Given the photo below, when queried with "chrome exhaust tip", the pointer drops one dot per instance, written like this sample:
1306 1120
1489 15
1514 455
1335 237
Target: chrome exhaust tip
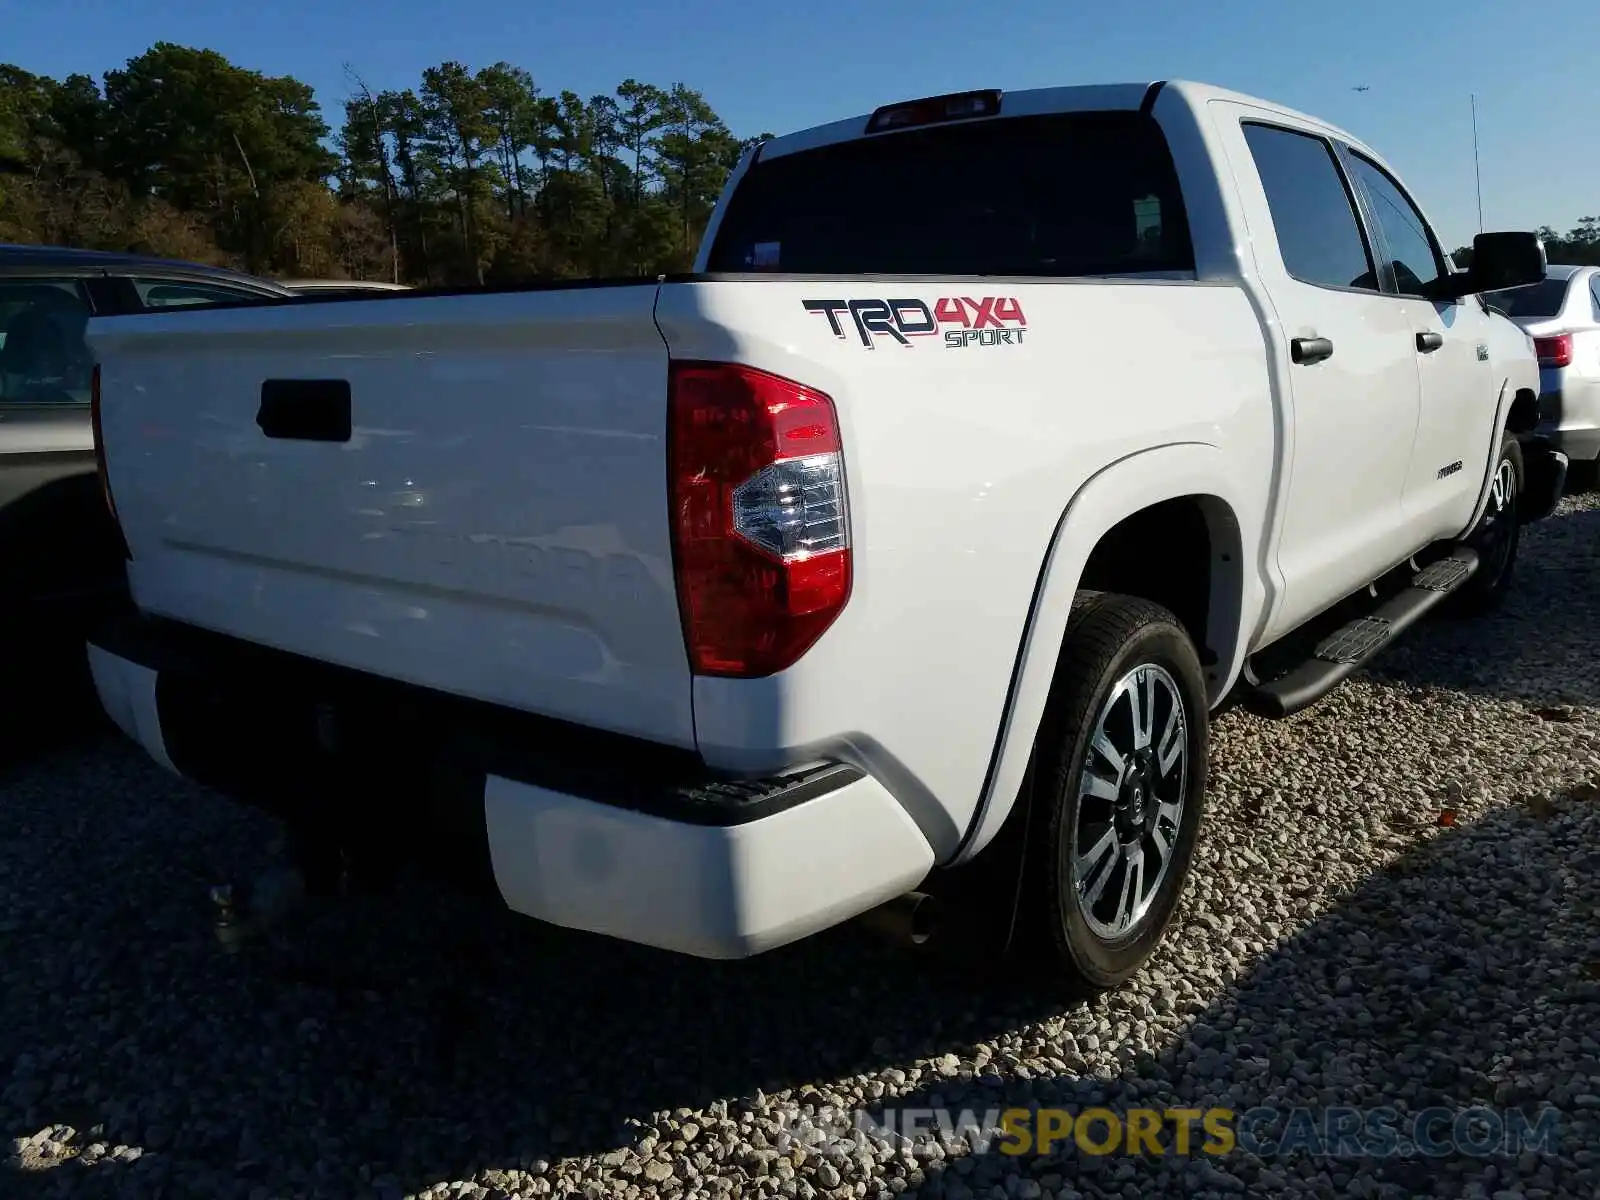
909 919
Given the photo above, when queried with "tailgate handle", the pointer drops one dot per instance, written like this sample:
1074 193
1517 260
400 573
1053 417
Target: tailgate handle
306 410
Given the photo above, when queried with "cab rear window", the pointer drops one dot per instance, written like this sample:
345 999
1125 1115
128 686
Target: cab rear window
1055 195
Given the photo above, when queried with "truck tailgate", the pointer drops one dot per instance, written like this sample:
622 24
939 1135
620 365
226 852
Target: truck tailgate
491 522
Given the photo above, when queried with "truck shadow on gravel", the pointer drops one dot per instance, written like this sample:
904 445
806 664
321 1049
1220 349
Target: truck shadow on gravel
424 1038
387 1051
47 704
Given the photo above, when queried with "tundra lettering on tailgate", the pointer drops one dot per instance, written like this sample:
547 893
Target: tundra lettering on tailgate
984 321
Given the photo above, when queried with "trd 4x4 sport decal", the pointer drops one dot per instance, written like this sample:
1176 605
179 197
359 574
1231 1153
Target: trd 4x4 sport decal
987 321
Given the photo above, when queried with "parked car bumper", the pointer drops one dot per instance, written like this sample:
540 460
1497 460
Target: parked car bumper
1569 419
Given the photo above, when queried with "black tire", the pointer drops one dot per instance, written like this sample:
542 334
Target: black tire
1496 537
1107 638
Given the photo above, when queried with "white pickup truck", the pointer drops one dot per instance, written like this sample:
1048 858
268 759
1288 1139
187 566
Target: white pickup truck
901 550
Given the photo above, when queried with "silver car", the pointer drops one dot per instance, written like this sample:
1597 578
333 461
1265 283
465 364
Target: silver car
1562 315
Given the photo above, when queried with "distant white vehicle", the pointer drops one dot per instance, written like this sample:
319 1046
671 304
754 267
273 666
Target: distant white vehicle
341 287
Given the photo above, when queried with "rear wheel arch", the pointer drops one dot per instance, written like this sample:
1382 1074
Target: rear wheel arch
1524 414
1178 493
1184 554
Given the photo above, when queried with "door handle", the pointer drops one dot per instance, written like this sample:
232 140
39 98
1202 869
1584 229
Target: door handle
1430 341
1310 350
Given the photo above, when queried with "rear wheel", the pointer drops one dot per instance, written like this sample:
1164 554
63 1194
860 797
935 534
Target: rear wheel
1120 772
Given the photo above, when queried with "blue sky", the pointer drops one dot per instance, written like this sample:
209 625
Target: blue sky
784 64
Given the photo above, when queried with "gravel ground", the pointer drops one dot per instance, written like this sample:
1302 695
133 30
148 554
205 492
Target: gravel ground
1395 904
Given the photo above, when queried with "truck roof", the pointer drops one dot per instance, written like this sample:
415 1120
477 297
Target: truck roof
1098 97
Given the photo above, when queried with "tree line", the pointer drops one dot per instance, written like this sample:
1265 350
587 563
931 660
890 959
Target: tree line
469 177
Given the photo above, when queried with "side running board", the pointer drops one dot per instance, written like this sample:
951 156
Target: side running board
1347 649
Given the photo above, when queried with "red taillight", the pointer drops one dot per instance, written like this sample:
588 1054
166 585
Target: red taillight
760 528
1554 351
100 458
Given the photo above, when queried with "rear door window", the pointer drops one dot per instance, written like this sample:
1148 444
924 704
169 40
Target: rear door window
1056 195
1313 212
44 358
174 293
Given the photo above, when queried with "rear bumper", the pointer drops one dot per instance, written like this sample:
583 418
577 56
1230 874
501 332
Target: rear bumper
1571 423
585 831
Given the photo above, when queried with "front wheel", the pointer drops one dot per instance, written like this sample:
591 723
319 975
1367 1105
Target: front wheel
1496 536
1120 768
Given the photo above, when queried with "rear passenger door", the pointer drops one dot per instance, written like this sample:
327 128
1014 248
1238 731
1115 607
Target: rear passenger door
1460 396
1348 367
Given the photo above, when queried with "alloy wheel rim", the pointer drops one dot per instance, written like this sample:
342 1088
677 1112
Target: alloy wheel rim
1499 525
1131 796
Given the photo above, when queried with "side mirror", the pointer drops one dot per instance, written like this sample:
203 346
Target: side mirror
1507 260
1499 261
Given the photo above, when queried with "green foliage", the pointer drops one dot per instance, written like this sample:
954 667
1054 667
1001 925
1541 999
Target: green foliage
470 177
